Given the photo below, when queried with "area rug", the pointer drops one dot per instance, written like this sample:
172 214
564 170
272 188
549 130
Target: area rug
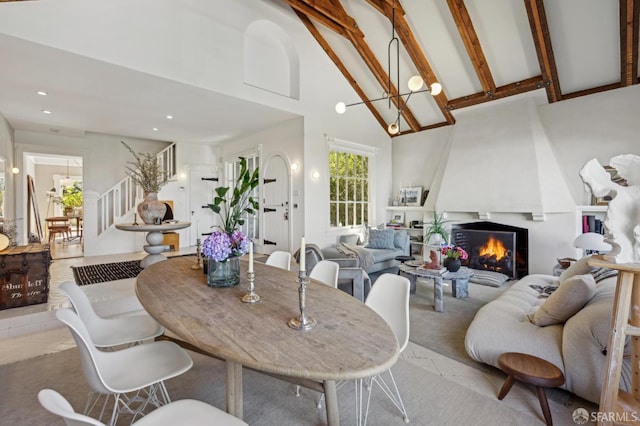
92 274
429 398
444 332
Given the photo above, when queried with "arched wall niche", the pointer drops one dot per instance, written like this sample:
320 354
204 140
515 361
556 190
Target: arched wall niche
270 60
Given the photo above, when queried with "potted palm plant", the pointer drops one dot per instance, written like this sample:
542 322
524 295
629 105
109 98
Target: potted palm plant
71 198
435 231
435 236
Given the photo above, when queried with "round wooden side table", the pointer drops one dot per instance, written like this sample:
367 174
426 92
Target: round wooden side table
533 370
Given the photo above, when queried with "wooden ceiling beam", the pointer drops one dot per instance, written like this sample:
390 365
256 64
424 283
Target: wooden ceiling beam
591 91
336 18
429 127
343 69
405 34
533 83
544 50
472 44
629 25
357 39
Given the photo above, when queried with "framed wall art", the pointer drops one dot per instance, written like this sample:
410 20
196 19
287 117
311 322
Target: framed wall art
397 218
410 196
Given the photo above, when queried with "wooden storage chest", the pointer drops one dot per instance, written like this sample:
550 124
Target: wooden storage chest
24 275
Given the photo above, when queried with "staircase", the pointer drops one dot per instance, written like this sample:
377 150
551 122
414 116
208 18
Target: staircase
103 211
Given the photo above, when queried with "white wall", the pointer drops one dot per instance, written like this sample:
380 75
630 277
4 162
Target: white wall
205 49
284 140
6 152
596 126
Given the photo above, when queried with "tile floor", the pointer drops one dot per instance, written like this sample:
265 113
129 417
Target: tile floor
31 331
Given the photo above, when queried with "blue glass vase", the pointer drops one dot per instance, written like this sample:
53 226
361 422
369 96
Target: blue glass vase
225 273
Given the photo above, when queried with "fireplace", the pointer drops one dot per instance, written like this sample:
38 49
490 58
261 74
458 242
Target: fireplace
494 247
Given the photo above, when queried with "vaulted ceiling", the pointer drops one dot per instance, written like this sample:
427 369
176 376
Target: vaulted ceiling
478 51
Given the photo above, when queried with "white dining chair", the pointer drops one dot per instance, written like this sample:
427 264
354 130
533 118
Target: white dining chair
188 412
280 259
123 329
389 298
140 369
326 272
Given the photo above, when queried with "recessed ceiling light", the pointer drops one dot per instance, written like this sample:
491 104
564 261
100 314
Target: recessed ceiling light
169 117
46 111
42 93
155 129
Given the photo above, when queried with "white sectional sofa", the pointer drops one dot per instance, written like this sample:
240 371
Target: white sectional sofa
576 345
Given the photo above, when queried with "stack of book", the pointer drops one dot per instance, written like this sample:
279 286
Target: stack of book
591 224
395 225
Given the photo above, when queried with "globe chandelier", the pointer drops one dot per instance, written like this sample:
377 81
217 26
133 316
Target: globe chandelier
415 83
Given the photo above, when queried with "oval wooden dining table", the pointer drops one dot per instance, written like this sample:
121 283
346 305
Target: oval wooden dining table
350 340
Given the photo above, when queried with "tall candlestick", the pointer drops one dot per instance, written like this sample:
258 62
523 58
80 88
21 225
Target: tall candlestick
198 228
250 256
302 255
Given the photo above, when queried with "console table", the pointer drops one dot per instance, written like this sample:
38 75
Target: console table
154 238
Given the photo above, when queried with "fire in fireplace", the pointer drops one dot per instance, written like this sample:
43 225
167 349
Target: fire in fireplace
494 247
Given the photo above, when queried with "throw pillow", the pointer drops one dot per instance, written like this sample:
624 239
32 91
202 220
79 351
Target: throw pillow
490 278
380 239
577 268
350 239
600 274
399 238
566 301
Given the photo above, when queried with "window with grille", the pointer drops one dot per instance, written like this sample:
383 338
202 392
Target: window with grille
348 188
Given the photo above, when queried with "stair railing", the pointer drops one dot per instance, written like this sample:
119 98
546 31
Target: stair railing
125 195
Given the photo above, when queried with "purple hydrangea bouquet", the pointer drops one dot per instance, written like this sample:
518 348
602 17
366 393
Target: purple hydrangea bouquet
220 245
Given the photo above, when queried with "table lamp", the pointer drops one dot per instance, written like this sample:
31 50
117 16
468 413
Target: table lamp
591 242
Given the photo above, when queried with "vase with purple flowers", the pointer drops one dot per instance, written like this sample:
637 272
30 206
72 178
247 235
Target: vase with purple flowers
222 249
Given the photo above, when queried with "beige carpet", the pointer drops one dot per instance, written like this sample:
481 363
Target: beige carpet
430 399
444 332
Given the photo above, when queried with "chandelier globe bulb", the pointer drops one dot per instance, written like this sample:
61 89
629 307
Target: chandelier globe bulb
436 89
415 83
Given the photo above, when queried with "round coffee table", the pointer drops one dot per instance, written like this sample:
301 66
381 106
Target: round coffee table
533 370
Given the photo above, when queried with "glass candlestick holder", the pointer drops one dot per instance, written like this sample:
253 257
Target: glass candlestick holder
251 296
302 322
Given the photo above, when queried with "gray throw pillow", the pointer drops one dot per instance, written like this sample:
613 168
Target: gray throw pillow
566 301
380 239
350 238
399 238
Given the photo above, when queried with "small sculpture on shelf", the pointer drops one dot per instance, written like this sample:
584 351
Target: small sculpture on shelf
434 261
